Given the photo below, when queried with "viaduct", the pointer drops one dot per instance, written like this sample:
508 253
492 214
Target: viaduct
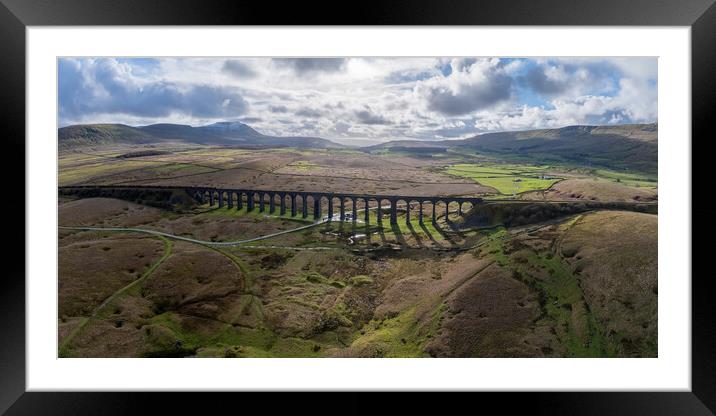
290 200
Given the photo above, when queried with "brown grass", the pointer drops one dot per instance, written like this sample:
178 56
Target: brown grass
413 282
202 288
450 304
195 281
311 293
91 270
595 190
615 254
105 339
105 212
491 315
271 169
223 225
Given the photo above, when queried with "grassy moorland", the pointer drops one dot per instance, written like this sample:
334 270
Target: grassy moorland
344 289
578 284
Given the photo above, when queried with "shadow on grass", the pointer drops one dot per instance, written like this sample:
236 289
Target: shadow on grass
430 235
398 234
455 228
383 240
368 233
447 237
418 239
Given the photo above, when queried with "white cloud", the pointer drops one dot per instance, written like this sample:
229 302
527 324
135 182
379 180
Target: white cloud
470 86
382 98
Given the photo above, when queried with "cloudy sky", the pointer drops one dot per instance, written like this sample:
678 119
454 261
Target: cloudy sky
363 98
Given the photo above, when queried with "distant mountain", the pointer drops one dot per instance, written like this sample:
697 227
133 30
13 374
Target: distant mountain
633 146
233 128
222 133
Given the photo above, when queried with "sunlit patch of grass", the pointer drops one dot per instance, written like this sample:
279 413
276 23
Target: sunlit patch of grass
225 211
394 337
302 152
303 165
404 335
516 184
181 168
217 152
68 175
230 341
71 159
506 179
380 232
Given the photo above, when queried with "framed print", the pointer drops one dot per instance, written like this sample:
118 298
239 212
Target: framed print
492 198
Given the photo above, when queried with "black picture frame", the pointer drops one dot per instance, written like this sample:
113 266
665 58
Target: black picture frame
700 15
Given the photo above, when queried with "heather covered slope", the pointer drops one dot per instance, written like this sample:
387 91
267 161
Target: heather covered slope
584 285
101 134
632 146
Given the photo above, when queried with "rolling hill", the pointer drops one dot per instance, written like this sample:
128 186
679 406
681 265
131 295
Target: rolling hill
222 133
631 146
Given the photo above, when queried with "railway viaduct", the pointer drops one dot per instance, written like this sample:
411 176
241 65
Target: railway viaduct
286 201
290 201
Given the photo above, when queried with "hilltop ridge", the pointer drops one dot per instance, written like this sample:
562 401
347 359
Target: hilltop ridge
221 133
633 146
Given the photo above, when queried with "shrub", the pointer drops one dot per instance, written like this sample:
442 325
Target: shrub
361 280
338 284
314 277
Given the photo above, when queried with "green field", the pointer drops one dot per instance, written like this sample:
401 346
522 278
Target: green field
303 165
629 179
506 179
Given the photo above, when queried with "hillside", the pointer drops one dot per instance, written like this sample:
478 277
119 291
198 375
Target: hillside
223 133
632 146
101 134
